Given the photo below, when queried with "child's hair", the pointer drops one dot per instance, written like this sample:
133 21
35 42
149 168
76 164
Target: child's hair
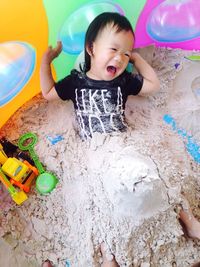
98 24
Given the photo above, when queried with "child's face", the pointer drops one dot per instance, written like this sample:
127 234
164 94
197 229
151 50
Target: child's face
110 53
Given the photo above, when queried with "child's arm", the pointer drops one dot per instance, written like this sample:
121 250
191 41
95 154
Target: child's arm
151 83
46 79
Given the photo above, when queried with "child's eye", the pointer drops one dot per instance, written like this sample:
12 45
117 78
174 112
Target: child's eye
113 49
126 54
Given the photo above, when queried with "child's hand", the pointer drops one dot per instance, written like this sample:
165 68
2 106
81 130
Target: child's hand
134 56
151 83
52 53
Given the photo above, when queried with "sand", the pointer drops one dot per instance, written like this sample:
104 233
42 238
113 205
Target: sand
124 189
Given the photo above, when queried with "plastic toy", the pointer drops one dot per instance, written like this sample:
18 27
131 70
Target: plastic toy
3 156
20 173
18 196
14 172
45 181
24 182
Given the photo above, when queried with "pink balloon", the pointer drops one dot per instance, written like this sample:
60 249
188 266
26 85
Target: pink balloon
143 38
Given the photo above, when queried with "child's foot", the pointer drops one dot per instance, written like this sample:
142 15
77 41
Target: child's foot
191 224
47 263
106 262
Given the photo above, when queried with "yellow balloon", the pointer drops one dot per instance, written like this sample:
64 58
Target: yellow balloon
23 21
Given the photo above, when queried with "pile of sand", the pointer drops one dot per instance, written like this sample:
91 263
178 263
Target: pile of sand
122 189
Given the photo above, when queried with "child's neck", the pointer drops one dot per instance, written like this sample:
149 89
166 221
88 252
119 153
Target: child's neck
91 75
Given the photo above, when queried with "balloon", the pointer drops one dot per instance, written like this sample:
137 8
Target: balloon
174 21
17 63
72 33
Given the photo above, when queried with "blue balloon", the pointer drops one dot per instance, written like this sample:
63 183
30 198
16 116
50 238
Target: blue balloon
72 33
17 64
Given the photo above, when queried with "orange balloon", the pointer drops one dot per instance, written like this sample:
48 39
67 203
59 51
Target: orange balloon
24 21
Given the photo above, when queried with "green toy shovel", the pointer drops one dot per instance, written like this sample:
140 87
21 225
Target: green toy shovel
45 181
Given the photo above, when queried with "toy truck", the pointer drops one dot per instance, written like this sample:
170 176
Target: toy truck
14 172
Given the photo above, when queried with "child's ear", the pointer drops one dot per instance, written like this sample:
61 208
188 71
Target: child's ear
89 49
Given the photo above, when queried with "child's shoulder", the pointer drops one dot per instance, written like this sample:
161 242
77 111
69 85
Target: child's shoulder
77 74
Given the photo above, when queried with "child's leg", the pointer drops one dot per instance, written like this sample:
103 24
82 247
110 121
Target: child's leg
192 225
106 262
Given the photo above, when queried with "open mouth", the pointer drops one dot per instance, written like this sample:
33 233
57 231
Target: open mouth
112 70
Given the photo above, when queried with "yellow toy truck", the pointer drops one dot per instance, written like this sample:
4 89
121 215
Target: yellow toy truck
18 173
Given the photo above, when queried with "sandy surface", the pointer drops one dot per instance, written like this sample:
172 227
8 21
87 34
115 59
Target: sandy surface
124 189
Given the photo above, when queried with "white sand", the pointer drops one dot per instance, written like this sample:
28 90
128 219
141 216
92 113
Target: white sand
123 189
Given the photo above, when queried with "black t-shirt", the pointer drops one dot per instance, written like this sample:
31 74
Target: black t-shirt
99 105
